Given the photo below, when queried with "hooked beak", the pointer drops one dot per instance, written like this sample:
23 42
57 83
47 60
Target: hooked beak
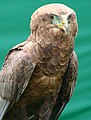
59 22
62 25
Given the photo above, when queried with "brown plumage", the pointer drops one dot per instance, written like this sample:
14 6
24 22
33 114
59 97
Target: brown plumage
39 75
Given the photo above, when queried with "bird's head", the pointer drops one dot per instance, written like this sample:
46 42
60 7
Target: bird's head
54 20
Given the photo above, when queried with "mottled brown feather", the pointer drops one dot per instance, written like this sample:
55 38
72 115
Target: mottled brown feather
38 67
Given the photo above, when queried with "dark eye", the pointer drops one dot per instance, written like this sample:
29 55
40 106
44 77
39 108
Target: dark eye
51 16
68 21
69 17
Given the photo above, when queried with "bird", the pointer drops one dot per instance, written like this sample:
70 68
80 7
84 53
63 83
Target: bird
39 75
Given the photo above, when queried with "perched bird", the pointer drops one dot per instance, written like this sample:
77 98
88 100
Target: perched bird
38 76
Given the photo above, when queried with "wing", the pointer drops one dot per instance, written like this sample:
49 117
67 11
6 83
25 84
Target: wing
14 77
67 88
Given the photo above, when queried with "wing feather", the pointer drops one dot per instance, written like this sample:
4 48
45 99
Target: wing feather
66 89
14 76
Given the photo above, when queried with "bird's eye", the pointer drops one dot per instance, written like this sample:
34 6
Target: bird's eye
68 21
52 17
69 18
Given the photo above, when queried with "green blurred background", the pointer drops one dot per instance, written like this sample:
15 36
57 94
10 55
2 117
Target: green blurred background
14 28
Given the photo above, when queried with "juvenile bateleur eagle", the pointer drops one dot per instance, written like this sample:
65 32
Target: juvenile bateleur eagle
38 76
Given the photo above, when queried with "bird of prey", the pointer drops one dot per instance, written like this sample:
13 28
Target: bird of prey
38 76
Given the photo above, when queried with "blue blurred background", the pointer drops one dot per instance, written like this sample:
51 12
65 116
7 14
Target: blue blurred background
14 28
